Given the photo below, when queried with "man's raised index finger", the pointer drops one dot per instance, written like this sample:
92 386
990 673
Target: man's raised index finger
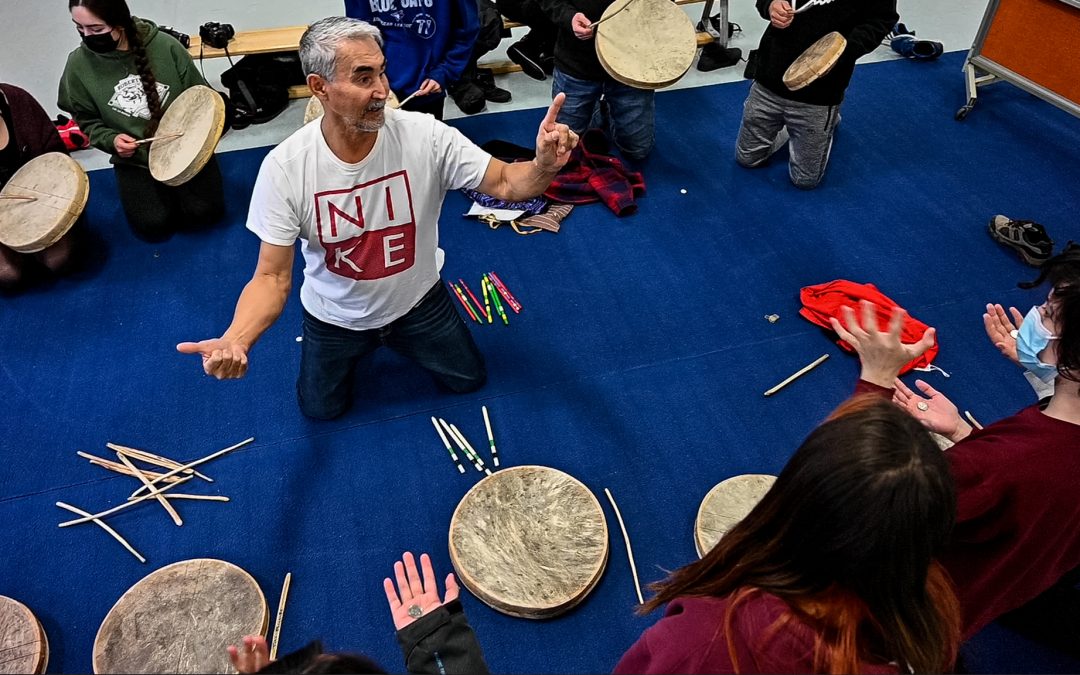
553 110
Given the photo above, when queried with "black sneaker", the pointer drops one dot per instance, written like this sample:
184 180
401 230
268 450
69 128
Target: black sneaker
524 52
1026 237
485 80
468 96
714 56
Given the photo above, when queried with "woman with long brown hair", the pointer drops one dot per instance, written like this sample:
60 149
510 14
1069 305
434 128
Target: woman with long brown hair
117 84
832 572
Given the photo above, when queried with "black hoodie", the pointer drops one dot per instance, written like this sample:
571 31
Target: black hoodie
863 22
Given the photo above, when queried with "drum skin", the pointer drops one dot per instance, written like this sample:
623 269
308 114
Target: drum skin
530 541
59 188
647 44
198 114
24 647
180 619
816 62
726 505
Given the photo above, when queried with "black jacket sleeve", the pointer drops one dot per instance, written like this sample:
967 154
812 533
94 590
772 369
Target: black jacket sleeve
763 8
866 36
442 643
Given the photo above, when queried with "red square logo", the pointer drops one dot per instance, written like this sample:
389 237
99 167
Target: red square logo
369 230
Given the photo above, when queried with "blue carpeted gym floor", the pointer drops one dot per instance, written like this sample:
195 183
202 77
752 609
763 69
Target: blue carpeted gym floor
638 364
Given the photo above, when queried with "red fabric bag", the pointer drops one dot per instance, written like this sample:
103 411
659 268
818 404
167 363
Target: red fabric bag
823 301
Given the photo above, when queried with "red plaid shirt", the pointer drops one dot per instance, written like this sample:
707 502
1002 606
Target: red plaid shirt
591 175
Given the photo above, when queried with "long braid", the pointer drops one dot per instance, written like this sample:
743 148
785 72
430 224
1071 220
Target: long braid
149 82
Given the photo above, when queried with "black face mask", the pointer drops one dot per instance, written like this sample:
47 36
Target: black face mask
101 43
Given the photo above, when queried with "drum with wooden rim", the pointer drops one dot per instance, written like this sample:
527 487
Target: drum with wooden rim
187 135
24 648
41 202
726 504
180 619
815 62
647 44
530 541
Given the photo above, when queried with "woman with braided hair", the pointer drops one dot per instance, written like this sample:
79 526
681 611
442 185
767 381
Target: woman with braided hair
116 85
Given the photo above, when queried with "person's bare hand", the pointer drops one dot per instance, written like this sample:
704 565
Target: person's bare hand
554 141
416 595
223 358
251 656
582 27
428 86
125 145
780 13
882 353
940 414
1002 331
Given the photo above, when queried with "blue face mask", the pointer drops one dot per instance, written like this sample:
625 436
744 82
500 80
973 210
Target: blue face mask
1031 340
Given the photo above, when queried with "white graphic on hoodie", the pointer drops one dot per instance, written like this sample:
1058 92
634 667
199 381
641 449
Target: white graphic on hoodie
130 99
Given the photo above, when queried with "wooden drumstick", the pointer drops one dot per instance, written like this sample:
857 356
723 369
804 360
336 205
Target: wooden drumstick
461 446
629 550
971 418
105 527
163 137
121 469
601 20
197 462
156 460
491 437
205 498
161 498
797 375
125 505
280 616
407 99
472 451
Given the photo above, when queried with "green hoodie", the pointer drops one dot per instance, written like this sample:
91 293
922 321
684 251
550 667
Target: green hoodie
104 94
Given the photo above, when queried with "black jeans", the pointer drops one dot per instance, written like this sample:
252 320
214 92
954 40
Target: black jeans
431 104
431 334
155 210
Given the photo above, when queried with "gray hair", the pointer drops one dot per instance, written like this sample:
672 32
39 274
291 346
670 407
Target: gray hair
320 42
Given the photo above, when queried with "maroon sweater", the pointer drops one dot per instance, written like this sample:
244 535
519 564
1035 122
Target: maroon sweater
1018 514
32 132
691 639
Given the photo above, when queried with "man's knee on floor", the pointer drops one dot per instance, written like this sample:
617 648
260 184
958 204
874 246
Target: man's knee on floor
806 182
204 212
322 412
468 383
152 226
749 160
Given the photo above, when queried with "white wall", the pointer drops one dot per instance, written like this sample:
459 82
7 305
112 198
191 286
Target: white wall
37 35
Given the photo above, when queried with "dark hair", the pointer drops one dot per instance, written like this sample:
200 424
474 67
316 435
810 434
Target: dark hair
847 537
311 660
1063 273
116 14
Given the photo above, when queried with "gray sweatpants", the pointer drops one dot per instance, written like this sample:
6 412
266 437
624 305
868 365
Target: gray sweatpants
770 120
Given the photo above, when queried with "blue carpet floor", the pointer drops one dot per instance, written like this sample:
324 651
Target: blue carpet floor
637 364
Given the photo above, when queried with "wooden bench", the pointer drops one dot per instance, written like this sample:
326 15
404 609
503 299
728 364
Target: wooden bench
287 39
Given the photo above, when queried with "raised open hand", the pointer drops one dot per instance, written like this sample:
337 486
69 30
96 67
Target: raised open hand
416 595
1002 331
251 656
881 352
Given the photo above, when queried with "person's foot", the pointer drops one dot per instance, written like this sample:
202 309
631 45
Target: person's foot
529 55
714 56
467 96
485 81
1026 237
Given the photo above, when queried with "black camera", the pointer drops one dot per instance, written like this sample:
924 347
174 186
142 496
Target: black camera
182 38
216 35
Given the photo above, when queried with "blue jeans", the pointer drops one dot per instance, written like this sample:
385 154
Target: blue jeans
632 112
431 334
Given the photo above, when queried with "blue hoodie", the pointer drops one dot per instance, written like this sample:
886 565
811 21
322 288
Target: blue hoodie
422 38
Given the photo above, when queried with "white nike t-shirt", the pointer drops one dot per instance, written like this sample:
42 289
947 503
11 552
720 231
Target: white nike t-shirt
368 231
